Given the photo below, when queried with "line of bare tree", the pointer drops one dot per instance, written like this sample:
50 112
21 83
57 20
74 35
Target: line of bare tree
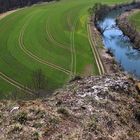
39 83
98 11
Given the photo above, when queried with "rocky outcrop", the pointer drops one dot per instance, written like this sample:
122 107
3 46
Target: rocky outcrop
92 108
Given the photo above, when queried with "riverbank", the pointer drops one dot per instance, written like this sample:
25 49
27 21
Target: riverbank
128 28
95 42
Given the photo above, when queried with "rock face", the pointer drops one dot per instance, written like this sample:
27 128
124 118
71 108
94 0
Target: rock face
93 108
138 86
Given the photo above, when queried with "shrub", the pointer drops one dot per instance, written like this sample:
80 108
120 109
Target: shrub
21 117
36 136
137 115
63 111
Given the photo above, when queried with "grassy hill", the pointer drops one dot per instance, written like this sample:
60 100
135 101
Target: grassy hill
50 36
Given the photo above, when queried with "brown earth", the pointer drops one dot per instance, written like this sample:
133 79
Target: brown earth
7 13
94 108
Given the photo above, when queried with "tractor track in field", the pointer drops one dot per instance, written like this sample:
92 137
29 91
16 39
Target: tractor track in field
30 54
73 45
53 40
12 81
95 52
73 51
15 83
98 55
72 59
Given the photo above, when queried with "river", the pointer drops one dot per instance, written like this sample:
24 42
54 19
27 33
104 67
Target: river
120 45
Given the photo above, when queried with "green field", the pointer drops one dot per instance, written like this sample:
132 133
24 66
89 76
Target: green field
51 36
135 19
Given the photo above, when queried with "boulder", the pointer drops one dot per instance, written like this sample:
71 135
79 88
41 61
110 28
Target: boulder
138 86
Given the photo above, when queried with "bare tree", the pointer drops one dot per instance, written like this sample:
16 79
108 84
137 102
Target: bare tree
39 81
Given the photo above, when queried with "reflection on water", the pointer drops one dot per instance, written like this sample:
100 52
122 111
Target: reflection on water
120 45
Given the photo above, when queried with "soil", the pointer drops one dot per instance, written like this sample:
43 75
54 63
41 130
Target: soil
88 70
7 13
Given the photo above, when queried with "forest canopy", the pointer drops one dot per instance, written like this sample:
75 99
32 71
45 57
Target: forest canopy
6 5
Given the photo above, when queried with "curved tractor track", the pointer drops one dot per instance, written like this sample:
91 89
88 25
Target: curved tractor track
72 55
15 83
73 50
31 55
53 40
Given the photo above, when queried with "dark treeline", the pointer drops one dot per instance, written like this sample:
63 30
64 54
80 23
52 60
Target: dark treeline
6 5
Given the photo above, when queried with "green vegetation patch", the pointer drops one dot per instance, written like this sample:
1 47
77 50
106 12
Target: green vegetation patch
135 20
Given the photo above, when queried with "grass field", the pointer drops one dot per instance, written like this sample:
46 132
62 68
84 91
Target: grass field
135 20
51 36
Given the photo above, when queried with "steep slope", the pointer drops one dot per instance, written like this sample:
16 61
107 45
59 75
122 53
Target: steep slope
103 107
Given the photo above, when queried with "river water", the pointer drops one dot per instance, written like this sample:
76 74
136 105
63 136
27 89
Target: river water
120 45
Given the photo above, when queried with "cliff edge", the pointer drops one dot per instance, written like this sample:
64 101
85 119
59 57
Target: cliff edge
92 108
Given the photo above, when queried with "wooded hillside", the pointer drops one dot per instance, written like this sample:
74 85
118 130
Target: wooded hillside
6 5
